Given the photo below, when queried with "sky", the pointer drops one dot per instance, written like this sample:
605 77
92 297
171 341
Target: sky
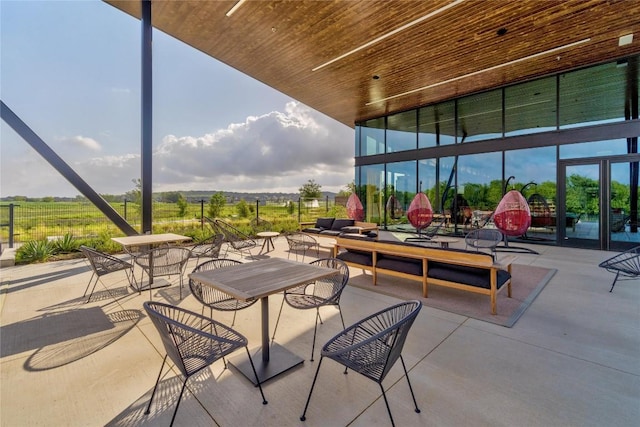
71 71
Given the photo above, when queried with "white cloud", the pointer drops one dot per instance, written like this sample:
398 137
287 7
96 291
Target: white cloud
85 142
274 152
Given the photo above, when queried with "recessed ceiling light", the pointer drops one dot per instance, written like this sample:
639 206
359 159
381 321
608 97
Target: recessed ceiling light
515 61
389 34
235 7
625 40
376 77
501 31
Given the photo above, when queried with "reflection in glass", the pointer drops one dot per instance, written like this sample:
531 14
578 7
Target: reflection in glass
401 131
623 217
401 188
427 179
594 149
583 201
530 107
372 137
370 186
480 116
436 125
594 95
534 171
479 187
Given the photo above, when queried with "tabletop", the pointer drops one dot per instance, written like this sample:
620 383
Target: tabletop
268 234
261 278
149 239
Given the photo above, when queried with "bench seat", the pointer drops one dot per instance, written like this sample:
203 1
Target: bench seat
455 268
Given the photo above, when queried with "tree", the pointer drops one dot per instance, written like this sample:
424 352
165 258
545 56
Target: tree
310 190
243 209
216 203
182 205
135 195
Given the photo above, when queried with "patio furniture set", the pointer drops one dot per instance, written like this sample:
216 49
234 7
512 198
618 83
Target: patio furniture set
193 341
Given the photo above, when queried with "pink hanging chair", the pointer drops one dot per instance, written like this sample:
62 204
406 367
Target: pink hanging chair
512 216
420 213
355 210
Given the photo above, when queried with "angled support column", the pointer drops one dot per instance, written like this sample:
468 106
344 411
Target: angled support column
63 168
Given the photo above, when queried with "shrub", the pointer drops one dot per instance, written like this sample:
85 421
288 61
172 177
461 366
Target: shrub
35 251
67 244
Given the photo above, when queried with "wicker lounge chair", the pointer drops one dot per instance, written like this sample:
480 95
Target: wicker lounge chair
103 264
626 264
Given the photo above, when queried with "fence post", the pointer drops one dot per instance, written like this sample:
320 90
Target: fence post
11 205
125 209
327 203
201 214
257 211
299 209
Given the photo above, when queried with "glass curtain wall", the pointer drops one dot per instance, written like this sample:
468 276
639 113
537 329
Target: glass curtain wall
466 183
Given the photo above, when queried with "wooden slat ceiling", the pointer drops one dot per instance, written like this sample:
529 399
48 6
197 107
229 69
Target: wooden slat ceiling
455 51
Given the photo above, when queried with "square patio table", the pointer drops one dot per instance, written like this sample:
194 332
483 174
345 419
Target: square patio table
259 279
149 240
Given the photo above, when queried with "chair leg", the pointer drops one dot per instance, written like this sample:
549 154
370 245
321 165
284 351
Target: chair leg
315 377
184 384
92 289
253 367
406 374
614 282
153 393
386 402
315 329
277 320
88 284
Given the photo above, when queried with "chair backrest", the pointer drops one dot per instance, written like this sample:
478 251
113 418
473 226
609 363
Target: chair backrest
166 261
386 332
296 240
483 238
258 224
330 288
231 234
208 295
103 263
210 247
187 338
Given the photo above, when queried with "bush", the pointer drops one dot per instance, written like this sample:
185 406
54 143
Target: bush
67 244
35 251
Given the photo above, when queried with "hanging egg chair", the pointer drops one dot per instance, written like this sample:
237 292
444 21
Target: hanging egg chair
420 213
540 211
355 210
512 216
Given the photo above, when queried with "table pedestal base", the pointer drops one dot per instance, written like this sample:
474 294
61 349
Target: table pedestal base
280 360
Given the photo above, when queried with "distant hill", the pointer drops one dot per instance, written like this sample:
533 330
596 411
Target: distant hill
191 196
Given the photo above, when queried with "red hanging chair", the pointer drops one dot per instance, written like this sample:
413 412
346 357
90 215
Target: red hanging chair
420 213
355 210
512 216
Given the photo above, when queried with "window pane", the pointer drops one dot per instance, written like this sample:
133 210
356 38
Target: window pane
437 125
534 170
372 137
427 183
371 193
401 132
401 188
593 95
594 149
479 187
480 116
530 107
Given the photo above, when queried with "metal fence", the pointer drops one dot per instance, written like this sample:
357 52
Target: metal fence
25 221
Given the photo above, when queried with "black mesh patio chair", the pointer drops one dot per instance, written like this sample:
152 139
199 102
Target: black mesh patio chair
208 248
321 293
372 346
626 265
192 342
235 239
259 224
483 238
301 242
164 261
213 298
103 264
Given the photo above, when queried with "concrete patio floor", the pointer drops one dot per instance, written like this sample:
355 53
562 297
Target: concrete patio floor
573 358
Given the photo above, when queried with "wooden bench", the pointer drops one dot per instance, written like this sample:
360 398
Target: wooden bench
454 268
